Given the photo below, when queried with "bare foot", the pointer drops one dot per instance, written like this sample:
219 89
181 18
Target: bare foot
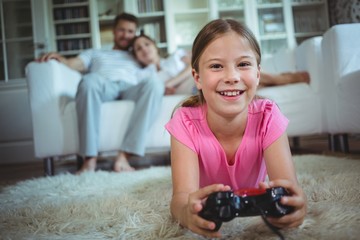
121 164
305 76
89 165
294 77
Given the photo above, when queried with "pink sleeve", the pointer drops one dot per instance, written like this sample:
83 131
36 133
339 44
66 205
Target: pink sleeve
181 128
275 124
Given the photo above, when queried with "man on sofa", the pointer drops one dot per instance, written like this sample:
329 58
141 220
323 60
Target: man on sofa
109 75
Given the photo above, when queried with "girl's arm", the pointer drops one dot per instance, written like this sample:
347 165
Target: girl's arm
281 171
187 198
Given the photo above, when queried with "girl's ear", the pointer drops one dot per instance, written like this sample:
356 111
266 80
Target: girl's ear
258 75
197 79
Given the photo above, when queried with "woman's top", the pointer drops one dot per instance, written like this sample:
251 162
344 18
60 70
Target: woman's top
265 124
172 65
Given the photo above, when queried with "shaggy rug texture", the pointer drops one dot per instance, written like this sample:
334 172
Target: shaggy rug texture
107 205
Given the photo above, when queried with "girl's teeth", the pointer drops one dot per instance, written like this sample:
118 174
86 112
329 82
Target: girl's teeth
233 93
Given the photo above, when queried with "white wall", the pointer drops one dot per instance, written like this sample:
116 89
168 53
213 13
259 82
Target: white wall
15 126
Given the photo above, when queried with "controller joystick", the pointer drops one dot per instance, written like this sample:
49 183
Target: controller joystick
224 206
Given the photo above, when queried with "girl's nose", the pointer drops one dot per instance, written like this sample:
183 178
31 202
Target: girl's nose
232 76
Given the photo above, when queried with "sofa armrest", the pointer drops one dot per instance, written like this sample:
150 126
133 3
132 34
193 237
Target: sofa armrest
281 61
309 58
50 85
341 50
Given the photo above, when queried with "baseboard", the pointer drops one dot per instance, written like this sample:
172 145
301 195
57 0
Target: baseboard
17 152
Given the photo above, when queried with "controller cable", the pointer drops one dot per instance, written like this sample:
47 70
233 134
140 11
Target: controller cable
272 227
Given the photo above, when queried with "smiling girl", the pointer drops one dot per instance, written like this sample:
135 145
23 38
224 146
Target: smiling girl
225 138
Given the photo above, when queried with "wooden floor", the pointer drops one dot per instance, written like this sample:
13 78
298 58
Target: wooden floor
12 173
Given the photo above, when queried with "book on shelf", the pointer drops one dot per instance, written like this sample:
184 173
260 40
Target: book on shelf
72 28
148 6
73 44
307 21
154 31
70 13
59 2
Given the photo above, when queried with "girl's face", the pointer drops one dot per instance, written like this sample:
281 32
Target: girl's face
228 75
145 51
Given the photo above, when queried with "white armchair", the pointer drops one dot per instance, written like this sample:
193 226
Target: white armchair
341 68
52 87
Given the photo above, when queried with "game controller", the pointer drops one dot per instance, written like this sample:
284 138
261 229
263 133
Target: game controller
224 206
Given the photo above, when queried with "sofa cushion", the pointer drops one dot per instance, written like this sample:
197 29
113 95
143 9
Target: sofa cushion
300 105
115 117
308 56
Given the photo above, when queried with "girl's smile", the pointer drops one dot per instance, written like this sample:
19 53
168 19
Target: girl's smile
231 93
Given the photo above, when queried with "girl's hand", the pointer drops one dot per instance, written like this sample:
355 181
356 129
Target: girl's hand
191 218
296 199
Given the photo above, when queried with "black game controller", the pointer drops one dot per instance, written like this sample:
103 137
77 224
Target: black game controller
224 206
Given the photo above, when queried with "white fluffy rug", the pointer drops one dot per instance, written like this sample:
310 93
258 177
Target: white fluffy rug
106 205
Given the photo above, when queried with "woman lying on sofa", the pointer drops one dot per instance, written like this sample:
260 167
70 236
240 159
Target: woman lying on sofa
175 70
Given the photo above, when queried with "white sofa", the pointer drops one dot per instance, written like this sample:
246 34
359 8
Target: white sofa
52 87
300 102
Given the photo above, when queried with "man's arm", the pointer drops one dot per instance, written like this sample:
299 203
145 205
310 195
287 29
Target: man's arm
75 62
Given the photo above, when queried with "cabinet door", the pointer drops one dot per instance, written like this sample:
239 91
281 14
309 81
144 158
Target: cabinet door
72 26
185 18
16 38
273 32
310 18
233 9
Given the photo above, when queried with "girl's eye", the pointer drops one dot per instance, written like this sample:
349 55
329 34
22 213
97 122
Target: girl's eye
215 66
244 64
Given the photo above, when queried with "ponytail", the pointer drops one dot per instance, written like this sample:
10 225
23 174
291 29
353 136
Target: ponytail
192 101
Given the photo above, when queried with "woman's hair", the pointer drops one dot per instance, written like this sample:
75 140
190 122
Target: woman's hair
207 35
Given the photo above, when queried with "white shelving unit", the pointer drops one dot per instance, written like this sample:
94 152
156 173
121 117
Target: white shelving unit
174 24
276 24
310 18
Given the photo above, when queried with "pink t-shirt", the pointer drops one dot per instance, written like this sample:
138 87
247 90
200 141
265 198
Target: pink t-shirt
265 124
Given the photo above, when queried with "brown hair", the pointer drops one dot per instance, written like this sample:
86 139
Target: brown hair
125 17
207 35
